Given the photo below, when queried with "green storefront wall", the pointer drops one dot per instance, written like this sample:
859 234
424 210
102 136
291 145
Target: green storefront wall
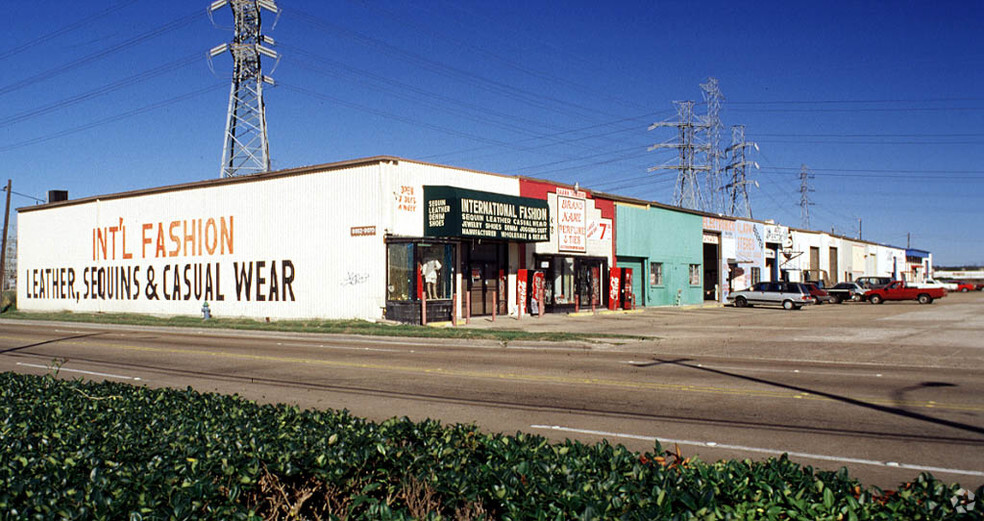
645 235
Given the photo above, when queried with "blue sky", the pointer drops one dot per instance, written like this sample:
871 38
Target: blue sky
882 101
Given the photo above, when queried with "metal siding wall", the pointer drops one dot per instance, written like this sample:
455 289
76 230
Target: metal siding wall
404 175
660 235
305 219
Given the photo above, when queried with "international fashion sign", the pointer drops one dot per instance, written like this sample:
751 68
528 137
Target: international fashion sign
459 212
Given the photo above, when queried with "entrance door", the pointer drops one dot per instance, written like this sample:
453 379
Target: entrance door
483 281
712 274
590 282
638 277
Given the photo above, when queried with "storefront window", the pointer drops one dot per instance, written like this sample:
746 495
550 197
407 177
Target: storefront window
435 264
562 286
400 271
418 269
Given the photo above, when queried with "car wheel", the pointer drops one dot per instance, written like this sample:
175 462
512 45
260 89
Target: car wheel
963 290
835 300
925 299
788 304
875 299
741 302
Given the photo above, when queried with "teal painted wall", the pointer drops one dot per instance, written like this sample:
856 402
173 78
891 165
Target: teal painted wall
659 235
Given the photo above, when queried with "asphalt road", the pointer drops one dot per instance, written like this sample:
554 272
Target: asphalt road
887 391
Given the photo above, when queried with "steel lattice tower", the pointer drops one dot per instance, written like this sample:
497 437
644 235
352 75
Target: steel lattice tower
246 150
805 190
687 193
737 187
713 97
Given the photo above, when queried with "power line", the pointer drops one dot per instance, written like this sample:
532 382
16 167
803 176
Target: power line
869 135
848 101
458 43
877 170
495 86
105 89
852 110
581 129
883 176
856 142
389 115
84 22
110 119
62 69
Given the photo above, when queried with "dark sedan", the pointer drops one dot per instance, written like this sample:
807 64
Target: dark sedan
846 292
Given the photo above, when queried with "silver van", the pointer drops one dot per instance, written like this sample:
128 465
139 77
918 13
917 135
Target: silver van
789 295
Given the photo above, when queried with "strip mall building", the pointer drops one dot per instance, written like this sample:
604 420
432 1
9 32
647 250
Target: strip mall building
372 238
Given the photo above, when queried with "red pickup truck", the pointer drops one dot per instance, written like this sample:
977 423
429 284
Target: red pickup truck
897 290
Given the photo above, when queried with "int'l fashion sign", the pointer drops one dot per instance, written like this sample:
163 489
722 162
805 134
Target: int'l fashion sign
572 224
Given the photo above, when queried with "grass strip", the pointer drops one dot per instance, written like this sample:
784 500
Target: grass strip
347 327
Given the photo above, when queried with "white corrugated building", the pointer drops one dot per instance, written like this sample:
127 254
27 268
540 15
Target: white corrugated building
342 240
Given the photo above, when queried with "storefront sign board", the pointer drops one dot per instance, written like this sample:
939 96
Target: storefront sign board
459 212
572 224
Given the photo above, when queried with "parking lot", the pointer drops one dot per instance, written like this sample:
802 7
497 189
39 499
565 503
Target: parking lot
946 333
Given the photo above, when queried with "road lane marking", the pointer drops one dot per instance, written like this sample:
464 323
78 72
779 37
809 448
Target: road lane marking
519 377
67 370
292 344
755 369
743 448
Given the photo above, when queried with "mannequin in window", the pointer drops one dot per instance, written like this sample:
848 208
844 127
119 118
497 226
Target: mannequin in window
430 271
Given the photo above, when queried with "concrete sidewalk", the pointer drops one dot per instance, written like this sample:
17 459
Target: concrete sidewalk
623 322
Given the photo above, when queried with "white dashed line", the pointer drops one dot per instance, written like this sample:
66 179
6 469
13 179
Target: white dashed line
839 459
66 370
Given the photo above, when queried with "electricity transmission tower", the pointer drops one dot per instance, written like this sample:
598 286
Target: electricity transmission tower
687 193
736 188
805 190
713 97
246 150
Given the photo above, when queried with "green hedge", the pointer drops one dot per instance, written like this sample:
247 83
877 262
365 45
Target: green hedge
80 450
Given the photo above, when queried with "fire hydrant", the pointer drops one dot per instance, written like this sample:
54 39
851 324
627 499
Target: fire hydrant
206 312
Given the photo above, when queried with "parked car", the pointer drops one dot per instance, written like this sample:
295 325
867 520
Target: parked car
819 294
964 287
899 290
869 282
789 295
846 291
930 283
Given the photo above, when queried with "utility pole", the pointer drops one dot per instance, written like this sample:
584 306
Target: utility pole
736 187
246 150
859 228
3 246
687 193
713 97
805 190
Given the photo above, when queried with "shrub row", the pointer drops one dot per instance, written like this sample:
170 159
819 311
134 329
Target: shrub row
82 450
